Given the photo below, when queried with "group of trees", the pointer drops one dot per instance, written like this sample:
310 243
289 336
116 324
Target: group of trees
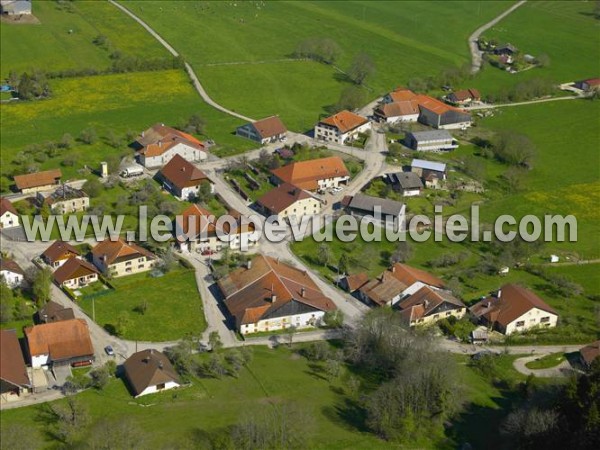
324 50
417 388
522 91
30 86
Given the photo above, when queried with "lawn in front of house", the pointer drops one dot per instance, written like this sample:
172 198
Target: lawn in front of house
173 306
546 361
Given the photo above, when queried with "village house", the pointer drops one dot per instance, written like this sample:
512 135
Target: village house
352 283
59 253
427 306
149 372
514 309
75 273
341 127
59 343
11 273
432 112
287 200
362 205
64 200
38 181
8 214
589 353
14 380
506 50
182 179
161 143
399 111
313 175
408 184
397 283
53 312
431 173
588 85
119 258
435 140
264 131
198 230
270 295
464 96
15 7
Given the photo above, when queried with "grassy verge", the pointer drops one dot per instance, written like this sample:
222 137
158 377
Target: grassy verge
546 362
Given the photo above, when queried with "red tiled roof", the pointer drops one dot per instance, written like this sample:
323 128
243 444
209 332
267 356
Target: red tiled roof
465 94
345 121
409 275
249 291
182 173
402 94
383 289
282 197
305 174
356 281
269 127
37 179
73 268
399 108
112 250
593 82
425 301
512 303
59 250
160 131
435 105
6 205
61 340
10 266
171 140
12 363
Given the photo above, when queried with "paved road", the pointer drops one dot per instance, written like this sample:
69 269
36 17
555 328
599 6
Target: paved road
476 55
528 102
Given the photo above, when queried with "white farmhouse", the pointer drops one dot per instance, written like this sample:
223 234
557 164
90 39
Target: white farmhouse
161 143
8 214
264 131
269 295
341 127
11 273
514 309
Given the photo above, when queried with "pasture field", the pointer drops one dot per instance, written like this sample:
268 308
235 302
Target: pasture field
431 37
273 377
174 308
108 103
64 38
573 45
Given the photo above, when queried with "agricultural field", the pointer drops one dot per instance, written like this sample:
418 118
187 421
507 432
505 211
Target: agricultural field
67 31
184 416
119 104
432 37
574 34
173 306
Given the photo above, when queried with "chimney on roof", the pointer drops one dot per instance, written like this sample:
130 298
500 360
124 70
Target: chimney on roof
273 298
394 268
302 291
499 293
160 365
426 303
249 264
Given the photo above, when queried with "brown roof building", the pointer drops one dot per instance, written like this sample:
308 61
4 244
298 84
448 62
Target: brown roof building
7 206
10 266
75 273
13 372
122 258
269 295
58 253
590 353
313 174
182 178
404 111
32 182
53 312
285 196
148 372
63 342
430 305
355 281
464 96
264 131
514 309
160 131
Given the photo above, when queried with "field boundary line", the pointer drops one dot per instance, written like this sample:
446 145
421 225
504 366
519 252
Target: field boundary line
188 68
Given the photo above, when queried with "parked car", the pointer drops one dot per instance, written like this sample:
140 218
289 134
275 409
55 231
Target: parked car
109 350
208 252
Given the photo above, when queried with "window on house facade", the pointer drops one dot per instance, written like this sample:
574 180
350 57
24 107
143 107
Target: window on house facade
520 323
545 319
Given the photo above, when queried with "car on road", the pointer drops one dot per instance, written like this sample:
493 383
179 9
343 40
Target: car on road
109 350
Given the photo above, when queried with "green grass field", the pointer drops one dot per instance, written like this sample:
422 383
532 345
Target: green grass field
118 103
173 417
432 37
174 308
546 362
67 35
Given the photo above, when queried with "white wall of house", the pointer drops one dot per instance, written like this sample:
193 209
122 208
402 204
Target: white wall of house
80 281
327 183
8 220
535 317
155 389
71 205
403 119
332 134
411 192
306 320
459 313
39 360
136 265
185 151
300 208
11 279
